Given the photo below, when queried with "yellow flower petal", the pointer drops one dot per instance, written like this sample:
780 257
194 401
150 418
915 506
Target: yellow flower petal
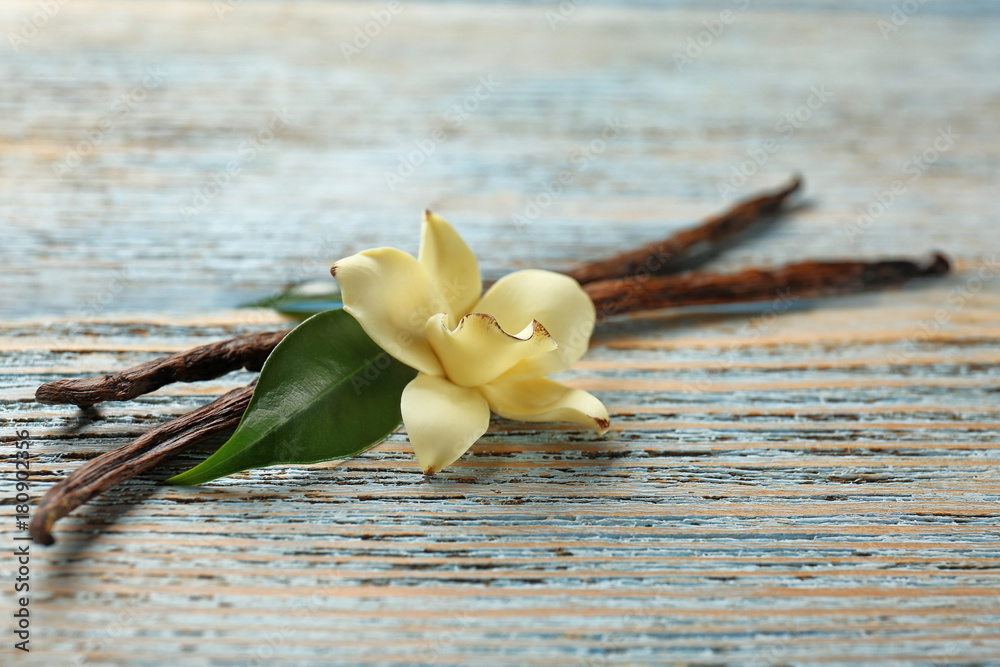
442 419
544 400
479 350
557 302
451 265
390 294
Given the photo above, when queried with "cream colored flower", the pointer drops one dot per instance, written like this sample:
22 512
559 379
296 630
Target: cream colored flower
475 352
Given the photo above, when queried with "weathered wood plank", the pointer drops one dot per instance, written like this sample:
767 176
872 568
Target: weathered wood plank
789 483
790 523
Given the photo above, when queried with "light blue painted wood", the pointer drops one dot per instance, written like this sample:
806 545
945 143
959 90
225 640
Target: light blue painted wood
776 490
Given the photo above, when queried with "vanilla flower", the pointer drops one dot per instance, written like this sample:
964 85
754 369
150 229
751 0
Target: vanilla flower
475 352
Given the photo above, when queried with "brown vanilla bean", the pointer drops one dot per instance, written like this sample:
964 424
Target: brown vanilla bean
626 283
803 280
249 351
201 363
611 297
677 252
112 468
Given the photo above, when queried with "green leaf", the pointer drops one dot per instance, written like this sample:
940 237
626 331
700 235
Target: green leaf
326 392
304 299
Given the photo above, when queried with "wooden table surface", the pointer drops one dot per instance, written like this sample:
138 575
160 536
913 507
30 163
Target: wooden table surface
793 483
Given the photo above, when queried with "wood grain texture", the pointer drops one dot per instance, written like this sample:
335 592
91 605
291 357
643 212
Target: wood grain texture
789 483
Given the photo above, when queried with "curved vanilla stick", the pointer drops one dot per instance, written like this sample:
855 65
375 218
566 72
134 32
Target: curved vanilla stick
678 252
112 468
206 362
805 280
